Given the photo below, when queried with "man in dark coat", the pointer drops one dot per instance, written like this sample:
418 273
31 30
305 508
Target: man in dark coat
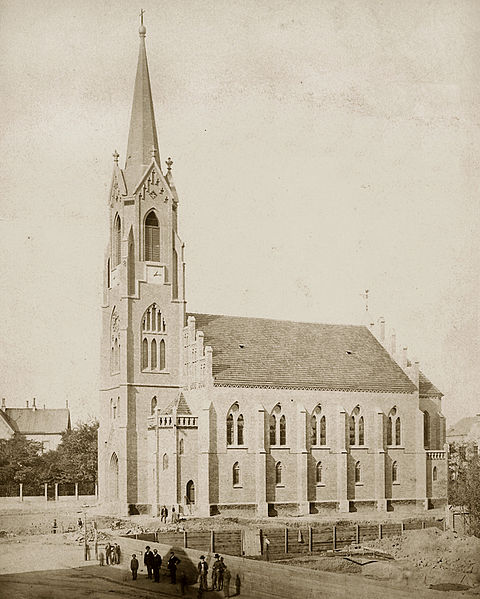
157 564
148 561
202 572
134 566
173 562
107 553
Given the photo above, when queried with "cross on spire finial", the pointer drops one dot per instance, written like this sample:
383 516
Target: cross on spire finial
142 30
169 164
116 156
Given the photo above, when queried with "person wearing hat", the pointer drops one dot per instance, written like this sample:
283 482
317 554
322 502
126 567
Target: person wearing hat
148 561
173 562
134 566
217 564
203 571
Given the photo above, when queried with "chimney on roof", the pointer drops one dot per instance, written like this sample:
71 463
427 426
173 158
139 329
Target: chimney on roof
381 323
404 358
34 406
4 407
27 404
393 342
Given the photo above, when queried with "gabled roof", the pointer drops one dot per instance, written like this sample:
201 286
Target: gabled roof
277 353
28 421
6 422
179 405
427 388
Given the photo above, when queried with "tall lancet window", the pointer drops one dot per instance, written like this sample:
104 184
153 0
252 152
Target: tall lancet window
235 426
318 425
115 342
154 358
117 241
278 426
152 238
357 427
394 428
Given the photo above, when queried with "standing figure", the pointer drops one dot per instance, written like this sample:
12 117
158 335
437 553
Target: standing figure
117 553
134 566
162 513
226 581
80 524
148 561
173 515
238 584
166 514
157 564
203 571
101 558
173 562
107 553
221 570
215 572
54 526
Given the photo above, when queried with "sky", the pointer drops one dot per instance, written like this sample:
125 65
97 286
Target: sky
320 148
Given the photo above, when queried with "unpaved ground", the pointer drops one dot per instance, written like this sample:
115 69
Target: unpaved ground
422 558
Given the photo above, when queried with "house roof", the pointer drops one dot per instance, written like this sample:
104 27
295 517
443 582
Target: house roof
28 421
464 426
427 388
265 352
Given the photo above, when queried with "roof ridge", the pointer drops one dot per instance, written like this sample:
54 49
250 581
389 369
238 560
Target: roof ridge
330 324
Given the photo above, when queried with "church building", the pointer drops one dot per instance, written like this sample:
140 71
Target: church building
224 414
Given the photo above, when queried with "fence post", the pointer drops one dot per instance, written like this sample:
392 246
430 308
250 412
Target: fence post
185 539
212 541
76 491
334 538
379 531
310 539
357 534
21 492
423 523
403 527
46 491
286 540
56 491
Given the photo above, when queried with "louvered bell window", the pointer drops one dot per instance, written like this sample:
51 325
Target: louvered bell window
152 238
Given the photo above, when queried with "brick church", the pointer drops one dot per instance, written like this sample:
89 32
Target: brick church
225 414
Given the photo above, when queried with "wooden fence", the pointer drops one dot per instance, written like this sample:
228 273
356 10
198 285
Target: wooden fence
288 541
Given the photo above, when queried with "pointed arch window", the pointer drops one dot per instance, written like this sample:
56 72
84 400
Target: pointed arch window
394 428
153 340
153 354
117 241
278 426
318 425
235 426
240 423
109 283
357 427
153 405
426 430
318 473
358 472
174 274
278 473
131 266
181 447
165 461
394 472
434 473
236 474
152 238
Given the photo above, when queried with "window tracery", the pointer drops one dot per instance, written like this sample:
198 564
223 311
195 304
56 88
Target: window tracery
154 330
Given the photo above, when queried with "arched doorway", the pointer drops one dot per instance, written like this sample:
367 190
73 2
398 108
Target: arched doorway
113 477
190 494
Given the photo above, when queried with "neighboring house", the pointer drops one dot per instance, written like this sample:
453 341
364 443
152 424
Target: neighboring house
213 413
466 434
43 425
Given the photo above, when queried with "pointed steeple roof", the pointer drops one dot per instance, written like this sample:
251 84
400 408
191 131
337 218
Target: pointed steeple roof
142 137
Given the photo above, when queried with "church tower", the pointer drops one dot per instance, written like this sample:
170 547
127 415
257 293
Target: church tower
143 311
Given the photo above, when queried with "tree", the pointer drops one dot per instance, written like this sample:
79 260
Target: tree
20 461
75 458
464 482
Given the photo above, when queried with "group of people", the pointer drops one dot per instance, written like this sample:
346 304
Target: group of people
221 576
111 555
153 563
164 515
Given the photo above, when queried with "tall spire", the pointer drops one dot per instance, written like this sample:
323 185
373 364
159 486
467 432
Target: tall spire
142 137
